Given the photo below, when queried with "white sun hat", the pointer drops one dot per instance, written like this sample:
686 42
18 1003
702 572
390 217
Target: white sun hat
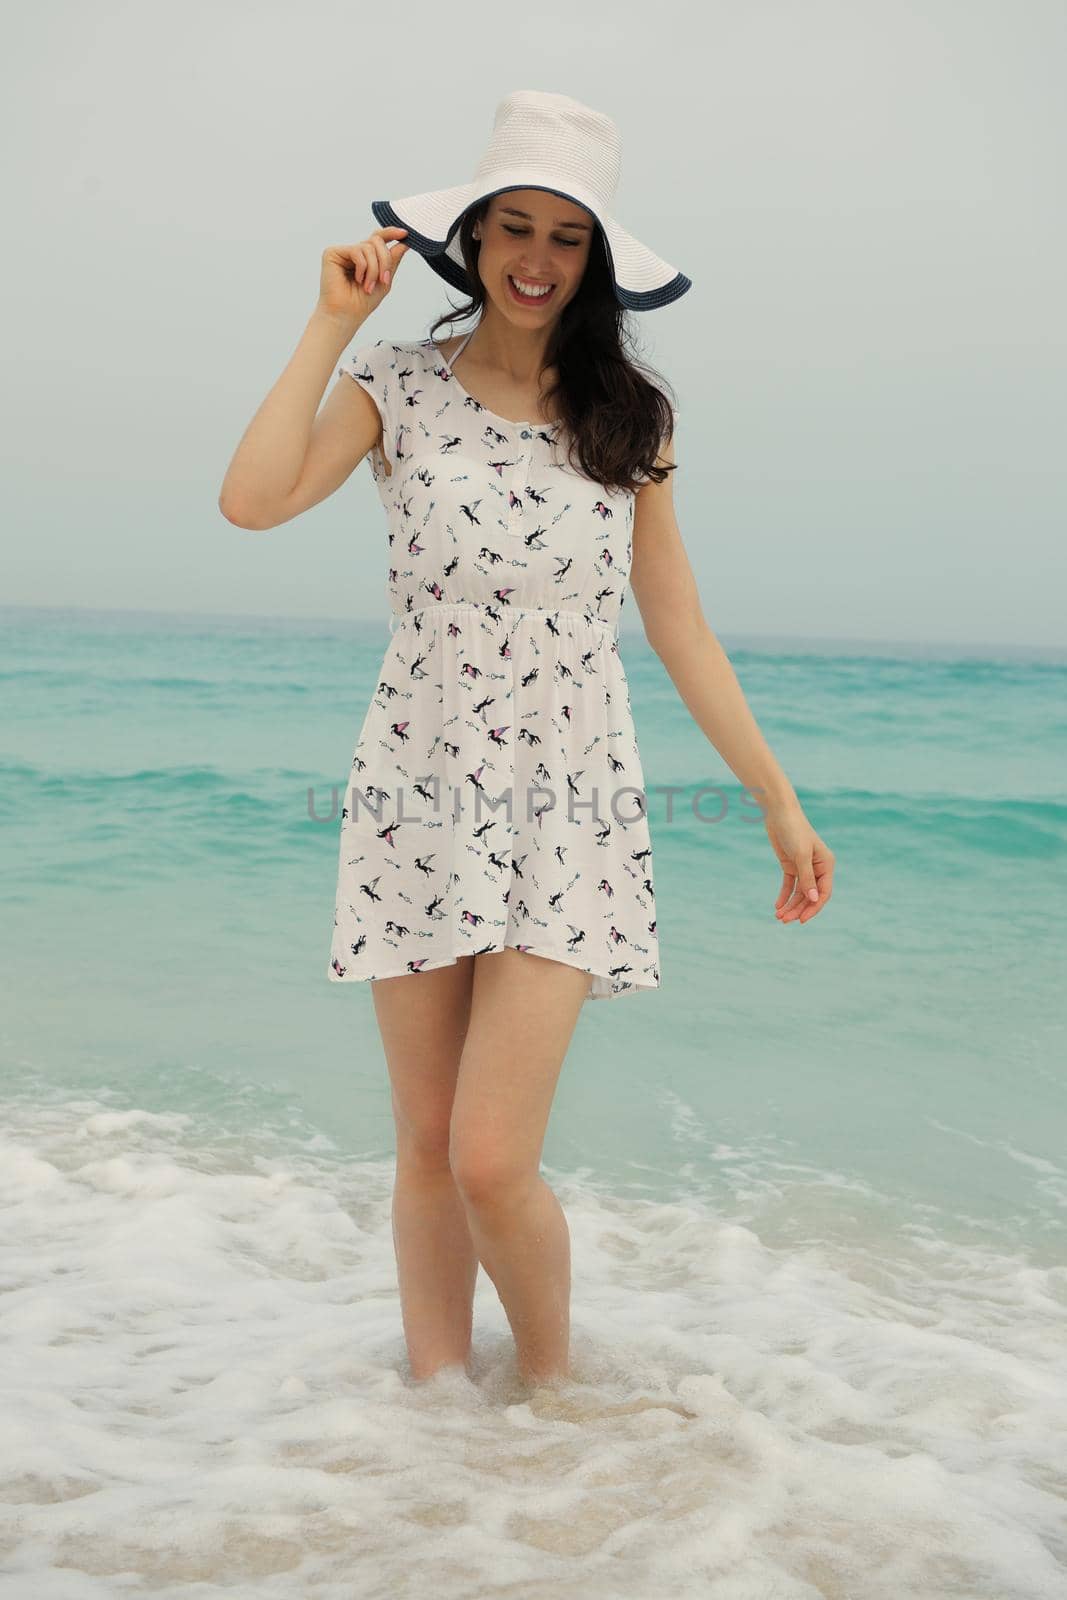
540 141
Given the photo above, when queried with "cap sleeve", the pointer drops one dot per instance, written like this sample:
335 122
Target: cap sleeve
375 368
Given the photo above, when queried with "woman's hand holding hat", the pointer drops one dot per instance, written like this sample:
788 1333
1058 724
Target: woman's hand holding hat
356 278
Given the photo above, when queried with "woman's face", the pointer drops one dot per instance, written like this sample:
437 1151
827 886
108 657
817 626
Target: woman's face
539 239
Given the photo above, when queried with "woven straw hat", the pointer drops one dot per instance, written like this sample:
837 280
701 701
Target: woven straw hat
540 141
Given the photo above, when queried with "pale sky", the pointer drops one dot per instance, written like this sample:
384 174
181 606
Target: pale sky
870 367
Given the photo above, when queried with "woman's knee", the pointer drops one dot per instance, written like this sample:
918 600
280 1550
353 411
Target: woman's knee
423 1132
485 1172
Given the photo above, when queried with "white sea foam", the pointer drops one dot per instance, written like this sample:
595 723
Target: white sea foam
205 1384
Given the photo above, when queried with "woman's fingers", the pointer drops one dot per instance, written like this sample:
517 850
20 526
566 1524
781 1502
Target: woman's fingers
359 260
807 894
370 277
380 262
383 257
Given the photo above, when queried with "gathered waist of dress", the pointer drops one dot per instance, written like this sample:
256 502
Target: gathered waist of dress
497 612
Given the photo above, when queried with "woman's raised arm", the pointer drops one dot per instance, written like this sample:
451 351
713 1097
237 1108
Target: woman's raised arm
291 455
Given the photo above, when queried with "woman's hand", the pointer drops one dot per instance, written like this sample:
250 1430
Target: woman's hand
807 863
356 278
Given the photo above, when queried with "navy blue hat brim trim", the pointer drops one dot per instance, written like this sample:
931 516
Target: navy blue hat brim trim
434 252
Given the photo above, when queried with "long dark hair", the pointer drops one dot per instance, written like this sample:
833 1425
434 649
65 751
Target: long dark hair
616 418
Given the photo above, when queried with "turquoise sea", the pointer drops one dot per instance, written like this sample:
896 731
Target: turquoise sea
816 1184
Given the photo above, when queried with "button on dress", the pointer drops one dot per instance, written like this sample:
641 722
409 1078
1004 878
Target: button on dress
496 794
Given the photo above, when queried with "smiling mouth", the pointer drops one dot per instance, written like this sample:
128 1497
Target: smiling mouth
544 292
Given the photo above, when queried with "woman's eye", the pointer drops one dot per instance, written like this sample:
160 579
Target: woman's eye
508 229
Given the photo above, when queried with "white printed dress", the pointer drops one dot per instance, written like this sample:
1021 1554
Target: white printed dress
496 795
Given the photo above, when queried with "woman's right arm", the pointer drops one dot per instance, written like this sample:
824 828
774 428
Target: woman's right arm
293 454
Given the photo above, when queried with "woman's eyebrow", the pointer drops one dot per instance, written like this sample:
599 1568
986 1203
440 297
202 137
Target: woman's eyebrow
512 211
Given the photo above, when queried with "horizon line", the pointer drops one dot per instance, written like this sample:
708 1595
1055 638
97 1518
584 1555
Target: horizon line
297 618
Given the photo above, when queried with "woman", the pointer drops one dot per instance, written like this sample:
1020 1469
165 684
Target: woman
521 493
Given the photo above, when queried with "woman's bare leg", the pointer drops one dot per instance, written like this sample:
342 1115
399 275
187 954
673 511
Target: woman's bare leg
523 1013
423 1020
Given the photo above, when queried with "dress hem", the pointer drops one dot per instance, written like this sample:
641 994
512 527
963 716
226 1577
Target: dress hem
631 986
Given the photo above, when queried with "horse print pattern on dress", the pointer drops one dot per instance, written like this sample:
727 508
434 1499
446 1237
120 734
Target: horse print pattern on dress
496 794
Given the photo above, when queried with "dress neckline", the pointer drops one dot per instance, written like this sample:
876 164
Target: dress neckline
508 421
